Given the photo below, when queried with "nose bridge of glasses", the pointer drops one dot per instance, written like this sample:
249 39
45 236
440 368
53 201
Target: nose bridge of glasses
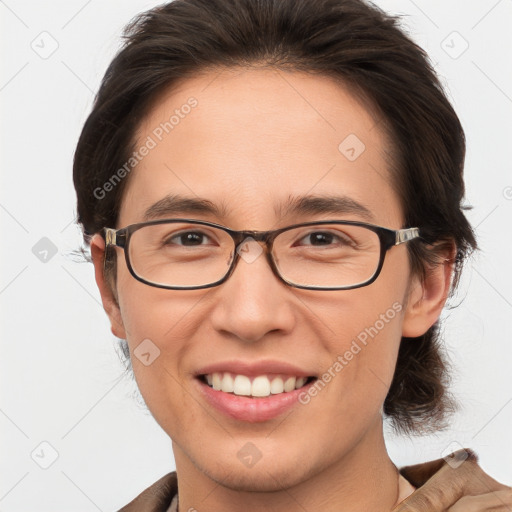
245 240
250 245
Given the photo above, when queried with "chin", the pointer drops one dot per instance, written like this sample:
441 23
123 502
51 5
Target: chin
262 477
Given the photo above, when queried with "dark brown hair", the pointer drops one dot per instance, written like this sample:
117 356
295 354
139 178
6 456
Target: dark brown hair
349 40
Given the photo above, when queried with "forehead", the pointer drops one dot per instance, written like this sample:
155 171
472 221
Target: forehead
253 141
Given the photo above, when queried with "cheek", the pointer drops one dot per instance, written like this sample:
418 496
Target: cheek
366 334
152 313
159 327
358 378
369 347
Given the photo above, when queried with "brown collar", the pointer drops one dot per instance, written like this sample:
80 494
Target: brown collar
155 498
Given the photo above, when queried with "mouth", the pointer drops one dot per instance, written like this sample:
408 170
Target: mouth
257 387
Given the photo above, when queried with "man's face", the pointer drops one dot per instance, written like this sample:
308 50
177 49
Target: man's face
255 139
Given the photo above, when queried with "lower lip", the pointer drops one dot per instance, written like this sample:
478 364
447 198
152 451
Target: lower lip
248 409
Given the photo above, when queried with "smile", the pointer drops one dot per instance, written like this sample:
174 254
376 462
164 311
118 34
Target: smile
257 387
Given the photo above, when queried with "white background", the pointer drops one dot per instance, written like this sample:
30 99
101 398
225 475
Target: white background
61 380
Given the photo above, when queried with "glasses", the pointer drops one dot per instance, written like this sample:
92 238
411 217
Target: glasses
184 254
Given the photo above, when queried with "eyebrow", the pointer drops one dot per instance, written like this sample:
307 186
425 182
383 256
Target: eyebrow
176 204
173 204
320 204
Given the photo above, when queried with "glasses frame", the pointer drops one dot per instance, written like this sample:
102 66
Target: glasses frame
388 239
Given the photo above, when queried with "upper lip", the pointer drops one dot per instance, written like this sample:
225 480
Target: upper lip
254 368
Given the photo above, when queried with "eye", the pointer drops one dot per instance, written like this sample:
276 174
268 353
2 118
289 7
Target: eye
326 238
186 238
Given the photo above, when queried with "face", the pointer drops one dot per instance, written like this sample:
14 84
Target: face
255 139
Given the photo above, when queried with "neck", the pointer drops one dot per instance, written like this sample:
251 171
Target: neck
365 478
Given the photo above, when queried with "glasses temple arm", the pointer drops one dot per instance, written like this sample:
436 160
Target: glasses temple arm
404 235
110 236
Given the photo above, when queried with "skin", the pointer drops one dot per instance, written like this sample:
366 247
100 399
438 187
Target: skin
256 137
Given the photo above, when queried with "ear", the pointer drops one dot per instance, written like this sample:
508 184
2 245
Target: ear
110 303
427 298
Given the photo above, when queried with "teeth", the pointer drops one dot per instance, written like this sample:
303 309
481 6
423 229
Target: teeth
289 384
277 386
228 384
300 382
216 381
260 386
242 385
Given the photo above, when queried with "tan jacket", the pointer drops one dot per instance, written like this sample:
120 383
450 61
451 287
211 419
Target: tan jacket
439 484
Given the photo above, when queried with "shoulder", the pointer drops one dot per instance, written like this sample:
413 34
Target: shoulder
453 479
157 497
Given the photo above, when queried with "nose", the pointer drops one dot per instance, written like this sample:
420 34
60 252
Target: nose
253 301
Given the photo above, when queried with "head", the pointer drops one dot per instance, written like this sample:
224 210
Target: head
247 105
